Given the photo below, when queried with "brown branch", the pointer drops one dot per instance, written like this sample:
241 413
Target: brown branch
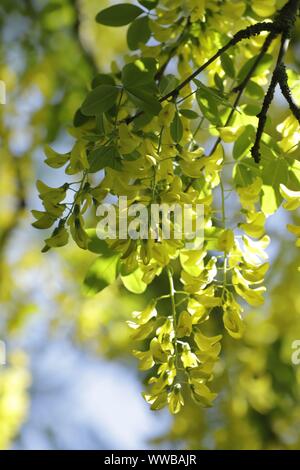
285 89
262 116
263 51
284 23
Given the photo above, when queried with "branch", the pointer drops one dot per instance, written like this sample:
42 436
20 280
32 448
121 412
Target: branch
173 49
247 33
241 87
284 23
263 51
285 89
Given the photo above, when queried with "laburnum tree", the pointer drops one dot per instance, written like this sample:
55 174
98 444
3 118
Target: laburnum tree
185 117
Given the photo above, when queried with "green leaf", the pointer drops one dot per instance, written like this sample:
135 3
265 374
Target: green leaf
209 100
219 82
55 159
227 65
100 126
275 170
138 81
209 107
103 157
141 121
138 32
244 142
79 119
119 15
213 93
59 237
100 100
144 100
44 220
294 175
149 65
134 282
254 90
167 84
102 79
189 113
150 4
245 171
135 155
176 128
97 245
101 274
263 65
251 109
137 75
274 173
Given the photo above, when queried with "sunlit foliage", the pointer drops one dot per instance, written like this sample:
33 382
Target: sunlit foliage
185 115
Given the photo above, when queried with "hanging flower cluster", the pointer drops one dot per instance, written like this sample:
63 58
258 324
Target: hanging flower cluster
157 137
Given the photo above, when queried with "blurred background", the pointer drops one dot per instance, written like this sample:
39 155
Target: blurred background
70 381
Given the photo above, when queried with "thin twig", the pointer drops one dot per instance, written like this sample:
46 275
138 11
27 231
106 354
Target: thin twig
247 33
